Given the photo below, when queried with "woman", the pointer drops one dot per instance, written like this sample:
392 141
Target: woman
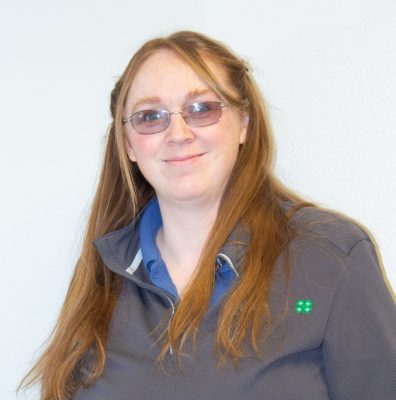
201 275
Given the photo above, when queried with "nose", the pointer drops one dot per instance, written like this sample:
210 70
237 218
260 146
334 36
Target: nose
178 130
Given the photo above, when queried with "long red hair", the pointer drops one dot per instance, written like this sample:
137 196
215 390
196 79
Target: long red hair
253 199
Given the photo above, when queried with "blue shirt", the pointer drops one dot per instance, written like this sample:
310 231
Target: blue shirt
151 222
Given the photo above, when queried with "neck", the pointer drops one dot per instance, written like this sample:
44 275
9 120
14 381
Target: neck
184 232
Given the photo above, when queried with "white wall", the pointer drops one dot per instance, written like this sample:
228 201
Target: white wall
326 67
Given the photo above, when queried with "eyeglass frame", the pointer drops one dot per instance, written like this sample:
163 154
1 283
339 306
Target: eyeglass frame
183 114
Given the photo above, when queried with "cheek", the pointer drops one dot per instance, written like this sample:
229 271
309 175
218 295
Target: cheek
144 147
229 141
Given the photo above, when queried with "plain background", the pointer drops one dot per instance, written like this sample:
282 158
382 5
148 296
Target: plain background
327 71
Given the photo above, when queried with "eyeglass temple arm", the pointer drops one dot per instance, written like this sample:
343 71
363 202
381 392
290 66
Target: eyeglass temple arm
125 120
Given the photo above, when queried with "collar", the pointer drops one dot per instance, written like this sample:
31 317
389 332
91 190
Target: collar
121 250
151 222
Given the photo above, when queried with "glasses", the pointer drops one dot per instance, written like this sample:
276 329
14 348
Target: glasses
205 113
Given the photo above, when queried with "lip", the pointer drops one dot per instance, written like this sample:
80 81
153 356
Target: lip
183 159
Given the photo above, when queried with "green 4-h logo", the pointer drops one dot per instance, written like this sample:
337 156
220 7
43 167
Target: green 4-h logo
304 306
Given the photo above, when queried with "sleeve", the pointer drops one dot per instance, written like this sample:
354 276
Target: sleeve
359 345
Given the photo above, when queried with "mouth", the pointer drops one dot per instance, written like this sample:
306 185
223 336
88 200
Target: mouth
184 159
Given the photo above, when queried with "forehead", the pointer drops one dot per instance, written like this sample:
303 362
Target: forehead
165 77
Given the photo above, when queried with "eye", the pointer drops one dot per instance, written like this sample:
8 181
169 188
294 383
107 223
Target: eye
203 107
149 116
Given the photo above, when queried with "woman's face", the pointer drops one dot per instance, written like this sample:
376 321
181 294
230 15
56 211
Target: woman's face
182 163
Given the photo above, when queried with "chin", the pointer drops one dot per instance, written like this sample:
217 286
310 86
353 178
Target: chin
185 194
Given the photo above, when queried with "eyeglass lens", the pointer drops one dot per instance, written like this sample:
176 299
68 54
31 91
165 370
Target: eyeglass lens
196 115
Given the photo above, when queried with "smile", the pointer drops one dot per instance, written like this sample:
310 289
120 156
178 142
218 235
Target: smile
184 159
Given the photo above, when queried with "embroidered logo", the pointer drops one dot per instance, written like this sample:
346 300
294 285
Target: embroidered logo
304 306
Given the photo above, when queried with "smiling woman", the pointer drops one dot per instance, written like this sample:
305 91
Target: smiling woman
201 274
204 147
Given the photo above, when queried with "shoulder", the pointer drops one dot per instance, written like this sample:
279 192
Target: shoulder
329 248
338 230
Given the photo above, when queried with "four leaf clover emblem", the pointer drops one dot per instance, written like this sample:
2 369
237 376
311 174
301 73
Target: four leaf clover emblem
304 306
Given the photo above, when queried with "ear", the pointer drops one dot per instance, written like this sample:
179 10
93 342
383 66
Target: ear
129 149
245 123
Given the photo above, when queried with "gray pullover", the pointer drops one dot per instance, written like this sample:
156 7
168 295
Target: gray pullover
336 341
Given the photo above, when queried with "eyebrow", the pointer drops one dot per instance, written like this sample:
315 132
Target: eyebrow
157 100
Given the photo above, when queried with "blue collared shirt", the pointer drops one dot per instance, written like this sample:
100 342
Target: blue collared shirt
151 222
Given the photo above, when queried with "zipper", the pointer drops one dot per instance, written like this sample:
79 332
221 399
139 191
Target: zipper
161 293
173 312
